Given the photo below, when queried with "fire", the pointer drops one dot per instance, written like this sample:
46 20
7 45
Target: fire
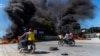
5 41
79 38
14 41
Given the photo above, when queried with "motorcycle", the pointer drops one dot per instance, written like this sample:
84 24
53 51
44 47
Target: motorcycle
69 42
30 48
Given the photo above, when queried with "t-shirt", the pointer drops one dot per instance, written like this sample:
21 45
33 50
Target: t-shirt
70 35
66 36
31 36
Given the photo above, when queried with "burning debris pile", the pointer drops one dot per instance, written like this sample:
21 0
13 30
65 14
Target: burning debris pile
63 13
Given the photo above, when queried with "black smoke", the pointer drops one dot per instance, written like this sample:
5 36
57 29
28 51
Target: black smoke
74 10
63 13
20 13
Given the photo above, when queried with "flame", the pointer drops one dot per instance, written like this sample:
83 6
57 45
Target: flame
14 41
5 41
79 38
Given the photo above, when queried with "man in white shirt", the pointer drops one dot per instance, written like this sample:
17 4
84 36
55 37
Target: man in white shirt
66 38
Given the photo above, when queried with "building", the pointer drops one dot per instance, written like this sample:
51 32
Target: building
92 35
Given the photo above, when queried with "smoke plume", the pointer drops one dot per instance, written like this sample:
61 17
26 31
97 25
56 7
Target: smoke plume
63 13
20 13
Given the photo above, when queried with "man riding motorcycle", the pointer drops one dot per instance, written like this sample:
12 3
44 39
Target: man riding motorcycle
31 38
68 37
27 39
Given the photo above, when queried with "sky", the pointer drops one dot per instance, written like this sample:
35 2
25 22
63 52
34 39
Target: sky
94 22
5 22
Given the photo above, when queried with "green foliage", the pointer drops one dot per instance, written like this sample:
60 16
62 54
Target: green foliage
48 26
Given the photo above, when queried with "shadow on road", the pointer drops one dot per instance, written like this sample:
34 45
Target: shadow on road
41 52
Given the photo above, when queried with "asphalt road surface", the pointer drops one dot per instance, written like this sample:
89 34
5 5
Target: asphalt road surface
82 48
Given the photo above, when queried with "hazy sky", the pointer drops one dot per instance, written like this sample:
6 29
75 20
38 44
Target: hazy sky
4 22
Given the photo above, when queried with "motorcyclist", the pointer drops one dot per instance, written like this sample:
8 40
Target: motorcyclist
27 40
23 40
31 38
68 36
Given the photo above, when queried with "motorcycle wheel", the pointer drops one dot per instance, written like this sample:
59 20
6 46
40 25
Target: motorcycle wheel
72 43
60 42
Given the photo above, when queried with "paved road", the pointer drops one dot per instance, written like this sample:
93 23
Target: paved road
82 48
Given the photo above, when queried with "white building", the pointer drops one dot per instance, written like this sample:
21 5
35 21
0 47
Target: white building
92 35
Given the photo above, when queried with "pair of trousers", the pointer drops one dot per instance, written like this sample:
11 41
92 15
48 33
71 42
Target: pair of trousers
22 43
